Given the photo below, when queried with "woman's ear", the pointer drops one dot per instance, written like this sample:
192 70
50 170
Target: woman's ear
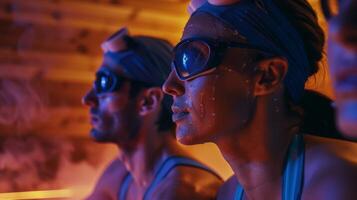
269 75
150 101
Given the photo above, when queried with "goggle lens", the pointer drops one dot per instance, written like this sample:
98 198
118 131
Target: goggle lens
107 82
191 58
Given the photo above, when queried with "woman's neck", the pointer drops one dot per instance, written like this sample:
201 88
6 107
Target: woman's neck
256 152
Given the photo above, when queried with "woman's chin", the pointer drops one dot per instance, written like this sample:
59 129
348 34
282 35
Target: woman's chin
188 137
186 140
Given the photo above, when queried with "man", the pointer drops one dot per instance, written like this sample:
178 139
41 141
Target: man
129 109
342 57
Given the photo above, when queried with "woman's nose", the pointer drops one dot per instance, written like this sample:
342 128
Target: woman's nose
173 85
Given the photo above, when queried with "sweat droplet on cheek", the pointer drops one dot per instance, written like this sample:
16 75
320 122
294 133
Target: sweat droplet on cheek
213 98
188 103
214 85
202 109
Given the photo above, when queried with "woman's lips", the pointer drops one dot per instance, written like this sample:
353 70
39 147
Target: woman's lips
177 116
178 113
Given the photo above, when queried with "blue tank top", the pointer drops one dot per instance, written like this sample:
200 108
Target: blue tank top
160 173
293 172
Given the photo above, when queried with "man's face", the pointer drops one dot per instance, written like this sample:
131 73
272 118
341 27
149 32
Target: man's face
114 115
342 56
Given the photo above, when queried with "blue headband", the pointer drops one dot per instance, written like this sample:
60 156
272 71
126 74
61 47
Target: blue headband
146 59
141 58
264 25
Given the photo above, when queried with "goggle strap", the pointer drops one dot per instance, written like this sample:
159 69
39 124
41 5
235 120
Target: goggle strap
197 75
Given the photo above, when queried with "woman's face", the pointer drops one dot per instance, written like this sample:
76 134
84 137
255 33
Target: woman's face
215 104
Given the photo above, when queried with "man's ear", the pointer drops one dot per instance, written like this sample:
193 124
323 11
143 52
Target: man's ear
269 75
150 101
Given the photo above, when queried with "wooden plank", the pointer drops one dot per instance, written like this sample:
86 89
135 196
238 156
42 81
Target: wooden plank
34 72
172 6
45 59
67 10
62 93
52 93
51 37
65 121
16 72
78 26
81 14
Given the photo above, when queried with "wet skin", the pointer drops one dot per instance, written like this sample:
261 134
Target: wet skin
202 111
342 57
109 182
244 112
114 116
130 123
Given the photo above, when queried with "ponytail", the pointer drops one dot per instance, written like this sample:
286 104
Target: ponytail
318 115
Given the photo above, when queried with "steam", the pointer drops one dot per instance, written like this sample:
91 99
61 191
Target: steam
20 104
31 163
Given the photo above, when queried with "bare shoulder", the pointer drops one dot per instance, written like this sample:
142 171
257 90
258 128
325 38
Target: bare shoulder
185 182
330 169
228 188
108 184
330 152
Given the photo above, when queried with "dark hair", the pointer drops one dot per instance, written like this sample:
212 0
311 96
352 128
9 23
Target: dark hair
157 54
318 114
303 17
164 120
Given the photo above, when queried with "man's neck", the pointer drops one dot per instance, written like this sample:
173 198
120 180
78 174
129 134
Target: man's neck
149 152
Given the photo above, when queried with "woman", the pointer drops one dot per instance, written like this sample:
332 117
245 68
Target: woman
238 81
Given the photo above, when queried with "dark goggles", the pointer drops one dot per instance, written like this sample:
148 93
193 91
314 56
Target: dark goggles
107 81
330 8
195 57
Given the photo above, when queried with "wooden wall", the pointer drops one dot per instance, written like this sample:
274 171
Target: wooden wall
54 45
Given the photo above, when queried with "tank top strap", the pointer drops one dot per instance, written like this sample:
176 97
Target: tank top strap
124 187
238 195
293 172
171 162
294 169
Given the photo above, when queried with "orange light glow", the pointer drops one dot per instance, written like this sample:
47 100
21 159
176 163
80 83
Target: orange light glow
43 194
